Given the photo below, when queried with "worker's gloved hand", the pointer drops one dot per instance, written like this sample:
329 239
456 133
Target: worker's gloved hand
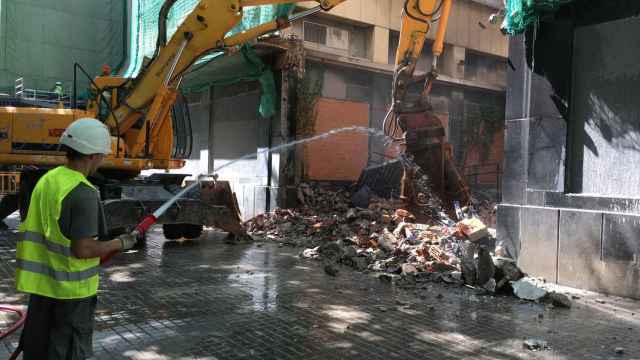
128 240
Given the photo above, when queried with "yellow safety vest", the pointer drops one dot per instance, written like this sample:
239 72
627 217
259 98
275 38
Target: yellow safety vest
45 264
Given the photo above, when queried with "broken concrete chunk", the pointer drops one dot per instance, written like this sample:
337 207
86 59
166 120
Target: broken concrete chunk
560 300
351 214
474 229
286 227
453 277
404 215
409 269
378 265
400 229
468 263
312 253
528 289
508 267
331 269
387 241
331 251
490 285
534 344
485 270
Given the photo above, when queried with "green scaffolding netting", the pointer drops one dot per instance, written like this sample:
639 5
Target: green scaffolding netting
145 33
519 14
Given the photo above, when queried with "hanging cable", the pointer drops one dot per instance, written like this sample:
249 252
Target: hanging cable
424 21
437 10
77 66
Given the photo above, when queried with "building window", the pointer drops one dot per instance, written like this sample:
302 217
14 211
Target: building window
315 33
329 36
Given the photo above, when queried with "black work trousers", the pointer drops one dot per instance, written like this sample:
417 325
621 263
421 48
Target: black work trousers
58 329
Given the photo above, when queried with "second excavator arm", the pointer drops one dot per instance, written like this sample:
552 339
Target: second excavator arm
418 17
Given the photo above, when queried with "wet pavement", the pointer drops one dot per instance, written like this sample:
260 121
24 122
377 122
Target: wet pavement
205 299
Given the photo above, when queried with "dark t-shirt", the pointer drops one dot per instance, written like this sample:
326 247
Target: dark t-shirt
82 215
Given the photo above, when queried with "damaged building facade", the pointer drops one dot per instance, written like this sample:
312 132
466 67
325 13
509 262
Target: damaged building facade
349 57
570 196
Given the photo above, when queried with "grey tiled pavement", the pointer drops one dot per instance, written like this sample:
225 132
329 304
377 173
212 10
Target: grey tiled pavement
205 299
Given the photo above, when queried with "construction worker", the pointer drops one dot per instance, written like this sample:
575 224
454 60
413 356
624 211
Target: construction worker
59 250
57 89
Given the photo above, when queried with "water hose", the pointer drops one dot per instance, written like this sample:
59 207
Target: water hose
13 328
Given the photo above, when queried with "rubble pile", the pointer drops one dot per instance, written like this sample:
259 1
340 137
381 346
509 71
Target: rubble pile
399 245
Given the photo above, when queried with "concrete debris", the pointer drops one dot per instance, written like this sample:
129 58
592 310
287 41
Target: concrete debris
313 253
331 269
559 300
485 270
352 214
528 289
408 246
468 266
474 229
506 271
454 277
490 285
534 344
409 269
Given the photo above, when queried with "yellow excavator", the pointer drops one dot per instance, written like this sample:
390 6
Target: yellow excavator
141 113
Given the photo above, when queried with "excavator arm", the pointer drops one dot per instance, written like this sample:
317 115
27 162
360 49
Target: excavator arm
418 16
410 120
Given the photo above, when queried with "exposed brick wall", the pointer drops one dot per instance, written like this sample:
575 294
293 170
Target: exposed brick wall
477 162
340 157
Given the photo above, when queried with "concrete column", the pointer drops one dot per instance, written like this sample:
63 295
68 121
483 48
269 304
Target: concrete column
212 139
286 177
456 124
380 42
452 61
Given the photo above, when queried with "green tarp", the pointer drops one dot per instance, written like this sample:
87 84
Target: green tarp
519 14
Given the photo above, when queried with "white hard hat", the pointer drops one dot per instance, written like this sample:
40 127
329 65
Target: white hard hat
87 136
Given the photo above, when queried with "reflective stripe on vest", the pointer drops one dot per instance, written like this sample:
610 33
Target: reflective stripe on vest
57 275
45 263
51 246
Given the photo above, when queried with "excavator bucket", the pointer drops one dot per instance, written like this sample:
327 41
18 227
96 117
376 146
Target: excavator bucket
211 204
219 194
426 143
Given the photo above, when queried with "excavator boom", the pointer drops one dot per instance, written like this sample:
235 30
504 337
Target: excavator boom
142 116
410 120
